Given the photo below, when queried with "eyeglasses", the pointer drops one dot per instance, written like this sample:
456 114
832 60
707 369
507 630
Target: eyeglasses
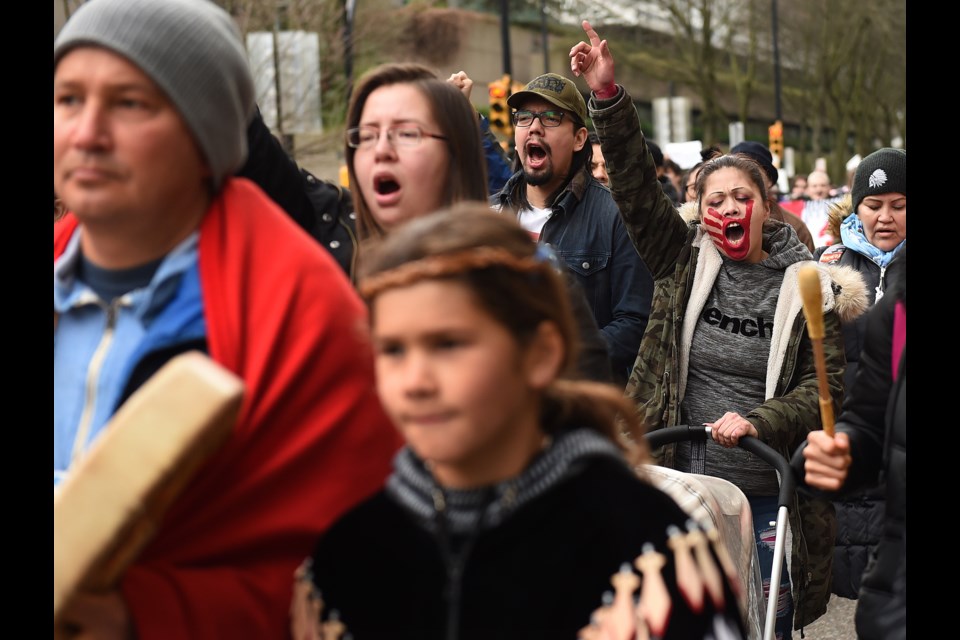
525 118
399 136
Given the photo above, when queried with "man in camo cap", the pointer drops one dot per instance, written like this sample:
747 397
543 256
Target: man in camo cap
560 203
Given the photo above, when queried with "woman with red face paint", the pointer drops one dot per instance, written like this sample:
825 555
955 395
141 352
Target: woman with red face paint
727 344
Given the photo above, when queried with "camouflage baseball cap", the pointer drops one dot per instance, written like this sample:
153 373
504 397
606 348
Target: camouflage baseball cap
555 89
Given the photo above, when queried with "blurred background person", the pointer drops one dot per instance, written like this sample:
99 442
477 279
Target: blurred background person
818 185
674 172
816 208
798 188
598 167
760 154
668 189
688 181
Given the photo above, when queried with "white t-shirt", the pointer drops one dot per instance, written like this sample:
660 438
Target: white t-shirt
816 215
533 219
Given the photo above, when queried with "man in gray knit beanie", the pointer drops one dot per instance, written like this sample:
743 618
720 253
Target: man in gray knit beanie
163 251
193 51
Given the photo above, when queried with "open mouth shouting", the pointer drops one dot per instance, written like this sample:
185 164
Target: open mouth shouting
386 189
536 155
733 233
730 234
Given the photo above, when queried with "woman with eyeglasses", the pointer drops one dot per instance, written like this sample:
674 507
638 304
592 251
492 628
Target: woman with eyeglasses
413 145
689 183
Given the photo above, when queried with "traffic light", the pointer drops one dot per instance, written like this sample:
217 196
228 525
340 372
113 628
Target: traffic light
500 121
776 142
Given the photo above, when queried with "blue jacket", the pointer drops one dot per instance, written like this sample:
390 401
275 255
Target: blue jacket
588 235
142 330
498 164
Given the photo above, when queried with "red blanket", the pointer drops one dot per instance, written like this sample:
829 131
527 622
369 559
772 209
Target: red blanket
312 439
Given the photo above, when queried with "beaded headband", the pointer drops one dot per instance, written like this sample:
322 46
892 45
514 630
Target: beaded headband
450 264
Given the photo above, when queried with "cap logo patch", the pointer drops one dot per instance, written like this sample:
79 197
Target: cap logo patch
877 179
547 83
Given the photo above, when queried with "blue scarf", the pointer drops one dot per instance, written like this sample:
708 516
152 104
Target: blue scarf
852 237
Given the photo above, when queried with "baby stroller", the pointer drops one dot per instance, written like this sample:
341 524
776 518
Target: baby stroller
722 505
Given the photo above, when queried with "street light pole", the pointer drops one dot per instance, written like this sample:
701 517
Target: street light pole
543 36
776 61
505 35
349 7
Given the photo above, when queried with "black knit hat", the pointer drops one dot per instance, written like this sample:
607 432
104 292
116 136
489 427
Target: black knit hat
883 171
759 154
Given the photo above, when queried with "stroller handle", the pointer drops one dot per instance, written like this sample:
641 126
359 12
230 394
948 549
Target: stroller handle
788 481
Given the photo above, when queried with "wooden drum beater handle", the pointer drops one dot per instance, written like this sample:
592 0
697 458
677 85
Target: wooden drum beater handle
813 311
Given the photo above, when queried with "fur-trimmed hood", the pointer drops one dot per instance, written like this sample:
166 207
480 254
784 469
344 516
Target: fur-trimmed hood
843 292
849 289
689 211
837 212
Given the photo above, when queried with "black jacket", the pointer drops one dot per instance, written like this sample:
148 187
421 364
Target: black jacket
537 574
859 517
588 235
321 208
874 416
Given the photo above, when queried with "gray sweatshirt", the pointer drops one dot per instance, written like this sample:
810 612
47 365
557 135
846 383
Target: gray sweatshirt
728 360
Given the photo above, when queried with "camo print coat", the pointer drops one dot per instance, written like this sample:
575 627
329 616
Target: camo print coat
671 247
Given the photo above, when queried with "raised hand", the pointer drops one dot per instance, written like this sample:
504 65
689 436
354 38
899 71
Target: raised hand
461 81
594 62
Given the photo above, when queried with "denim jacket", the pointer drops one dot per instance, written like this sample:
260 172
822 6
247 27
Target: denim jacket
588 235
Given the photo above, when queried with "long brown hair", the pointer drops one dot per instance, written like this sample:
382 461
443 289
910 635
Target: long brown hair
457 120
518 284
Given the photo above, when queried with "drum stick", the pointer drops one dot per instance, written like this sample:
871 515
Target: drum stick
813 311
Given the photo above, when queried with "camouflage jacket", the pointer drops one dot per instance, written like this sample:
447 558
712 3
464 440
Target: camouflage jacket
684 263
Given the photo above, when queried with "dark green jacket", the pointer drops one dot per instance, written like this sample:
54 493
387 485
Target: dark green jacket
683 262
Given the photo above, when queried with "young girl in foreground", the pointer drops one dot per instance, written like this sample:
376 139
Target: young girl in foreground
513 504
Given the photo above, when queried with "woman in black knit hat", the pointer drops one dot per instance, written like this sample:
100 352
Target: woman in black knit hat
872 227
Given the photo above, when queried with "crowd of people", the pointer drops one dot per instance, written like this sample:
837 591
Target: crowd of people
449 369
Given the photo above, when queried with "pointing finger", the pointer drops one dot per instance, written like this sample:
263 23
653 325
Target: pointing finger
591 33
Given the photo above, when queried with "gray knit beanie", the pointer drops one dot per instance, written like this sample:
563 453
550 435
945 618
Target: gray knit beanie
883 171
193 51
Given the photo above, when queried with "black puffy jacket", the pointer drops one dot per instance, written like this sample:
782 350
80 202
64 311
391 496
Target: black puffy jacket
859 517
